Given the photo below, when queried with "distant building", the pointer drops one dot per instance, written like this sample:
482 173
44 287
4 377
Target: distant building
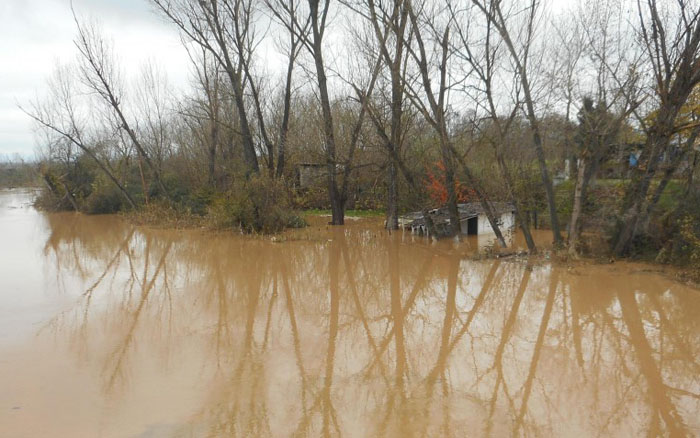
311 174
473 219
314 174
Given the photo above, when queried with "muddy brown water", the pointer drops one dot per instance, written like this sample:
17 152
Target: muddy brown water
109 330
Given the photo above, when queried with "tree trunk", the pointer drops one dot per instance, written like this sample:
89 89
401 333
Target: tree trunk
143 181
521 67
249 155
392 208
392 201
70 197
636 196
114 102
668 173
674 89
284 129
234 74
450 181
337 202
691 173
94 53
520 215
476 186
214 133
523 223
579 190
544 172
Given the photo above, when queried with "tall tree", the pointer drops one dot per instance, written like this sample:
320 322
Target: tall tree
481 57
285 11
310 27
59 116
318 14
521 56
670 41
435 112
224 28
436 109
101 76
392 20
597 132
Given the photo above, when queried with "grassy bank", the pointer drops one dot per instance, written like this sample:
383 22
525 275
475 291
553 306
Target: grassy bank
164 215
670 235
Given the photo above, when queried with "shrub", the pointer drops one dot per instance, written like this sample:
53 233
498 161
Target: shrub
162 213
257 205
196 202
105 198
311 197
678 235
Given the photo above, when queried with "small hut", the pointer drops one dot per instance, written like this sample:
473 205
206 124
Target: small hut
311 174
472 218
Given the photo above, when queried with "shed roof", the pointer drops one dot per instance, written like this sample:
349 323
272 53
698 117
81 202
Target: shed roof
466 211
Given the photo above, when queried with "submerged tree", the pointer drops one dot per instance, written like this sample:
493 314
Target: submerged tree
597 132
521 57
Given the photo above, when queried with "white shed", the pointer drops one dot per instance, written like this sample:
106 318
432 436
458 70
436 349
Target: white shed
473 219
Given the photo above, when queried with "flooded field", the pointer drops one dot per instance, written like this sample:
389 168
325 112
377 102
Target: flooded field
107 330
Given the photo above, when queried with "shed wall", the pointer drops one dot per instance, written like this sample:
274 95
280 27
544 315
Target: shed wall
507 223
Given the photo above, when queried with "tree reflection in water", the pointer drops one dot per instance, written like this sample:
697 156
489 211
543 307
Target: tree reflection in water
358 333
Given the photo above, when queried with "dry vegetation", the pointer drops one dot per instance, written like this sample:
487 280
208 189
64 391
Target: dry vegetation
395 105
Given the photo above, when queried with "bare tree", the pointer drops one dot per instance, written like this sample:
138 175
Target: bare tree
59 115
392 20
310 27
481 58
521 57
671 45
154 110
318 15
569 50
435 112
210 83
100 75
224 28
602 53
285 11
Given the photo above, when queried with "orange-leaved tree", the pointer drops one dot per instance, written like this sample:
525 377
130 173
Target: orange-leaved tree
437 188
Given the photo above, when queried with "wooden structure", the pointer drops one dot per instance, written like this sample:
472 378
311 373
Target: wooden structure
473 220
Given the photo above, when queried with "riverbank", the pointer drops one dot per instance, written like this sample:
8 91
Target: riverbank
316 229
313 225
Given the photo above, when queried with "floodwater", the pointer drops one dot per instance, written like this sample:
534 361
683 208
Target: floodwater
107 330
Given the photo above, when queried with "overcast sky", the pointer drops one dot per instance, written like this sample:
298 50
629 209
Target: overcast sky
35 35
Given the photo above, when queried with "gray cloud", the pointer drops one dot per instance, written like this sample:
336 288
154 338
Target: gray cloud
35 35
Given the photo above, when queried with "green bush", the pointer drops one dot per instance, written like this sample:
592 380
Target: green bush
564 197
678 235
257 205
105 198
